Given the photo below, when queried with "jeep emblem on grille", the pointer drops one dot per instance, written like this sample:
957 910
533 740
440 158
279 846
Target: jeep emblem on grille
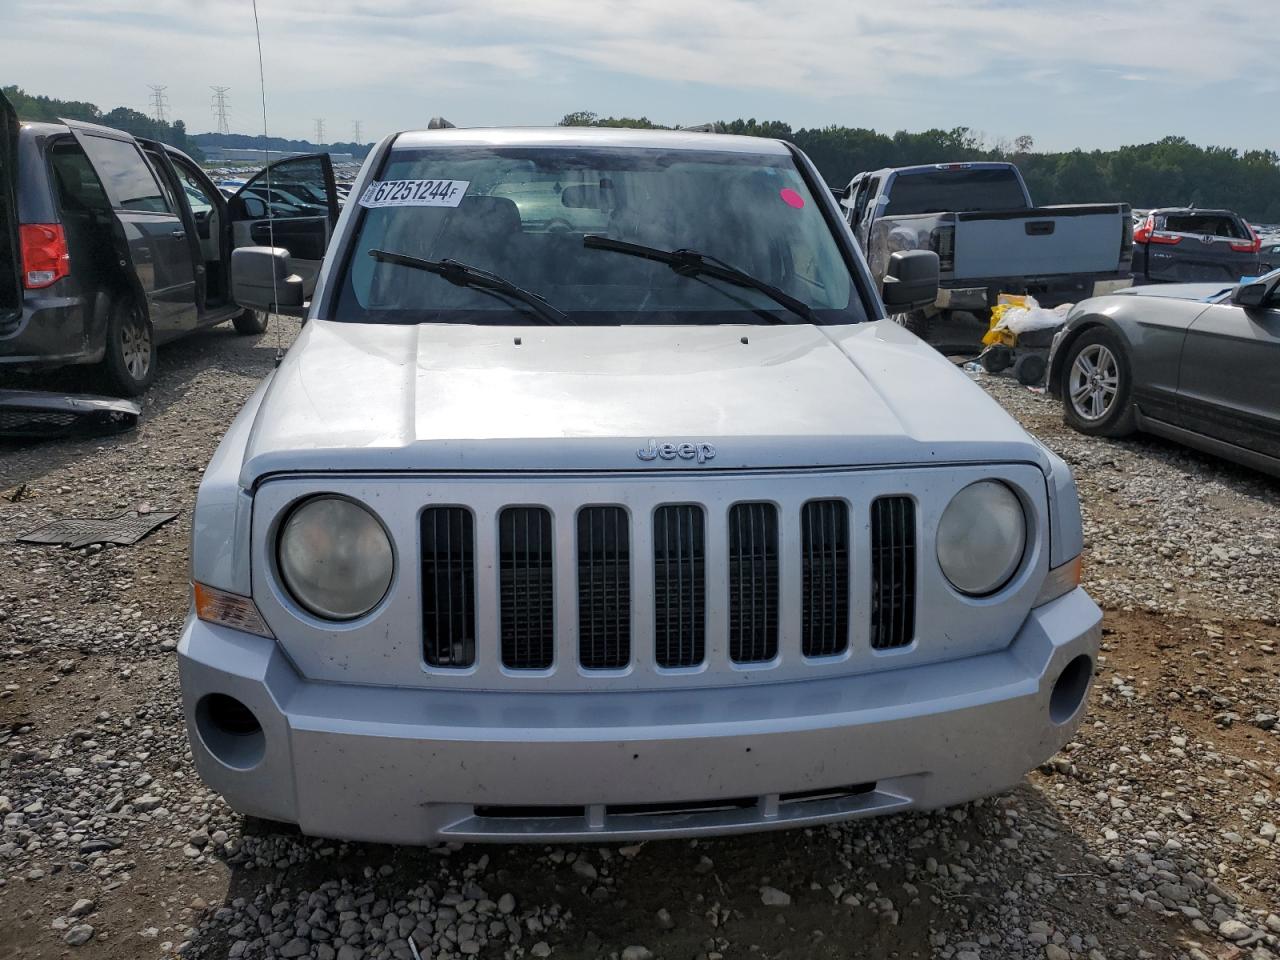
702 452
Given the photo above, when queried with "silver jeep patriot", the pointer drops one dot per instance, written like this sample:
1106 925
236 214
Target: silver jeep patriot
598 499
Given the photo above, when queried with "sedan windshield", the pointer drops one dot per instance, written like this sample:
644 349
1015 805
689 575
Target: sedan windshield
731 238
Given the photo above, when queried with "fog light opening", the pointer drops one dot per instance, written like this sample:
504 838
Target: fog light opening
230 731
1070 689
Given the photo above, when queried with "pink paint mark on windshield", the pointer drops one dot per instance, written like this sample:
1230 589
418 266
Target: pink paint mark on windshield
791 198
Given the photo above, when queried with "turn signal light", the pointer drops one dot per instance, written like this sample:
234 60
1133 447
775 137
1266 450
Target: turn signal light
1060 581
45 257
229 610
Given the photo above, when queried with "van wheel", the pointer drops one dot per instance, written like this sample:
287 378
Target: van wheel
250 322
130 361
917 321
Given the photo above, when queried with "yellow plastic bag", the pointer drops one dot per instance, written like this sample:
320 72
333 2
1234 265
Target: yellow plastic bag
1004 303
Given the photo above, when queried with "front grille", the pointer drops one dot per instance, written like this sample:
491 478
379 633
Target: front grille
753 582
791 583
824 618
679 586
448 587
525 591
893 572
604 588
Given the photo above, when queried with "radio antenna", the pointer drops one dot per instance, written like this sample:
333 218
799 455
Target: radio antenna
266 143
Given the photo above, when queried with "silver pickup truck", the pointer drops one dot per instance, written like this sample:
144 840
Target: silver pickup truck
990 239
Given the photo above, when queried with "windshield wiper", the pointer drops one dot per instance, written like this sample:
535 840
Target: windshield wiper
465 275
691 263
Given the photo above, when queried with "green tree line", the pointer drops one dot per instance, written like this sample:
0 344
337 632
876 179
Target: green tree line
1170 172
36 107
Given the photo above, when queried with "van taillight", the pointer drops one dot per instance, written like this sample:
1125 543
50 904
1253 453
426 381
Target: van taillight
1143 233
1248 246
942 241
45 258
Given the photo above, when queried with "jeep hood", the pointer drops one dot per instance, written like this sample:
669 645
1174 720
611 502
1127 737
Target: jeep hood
447 397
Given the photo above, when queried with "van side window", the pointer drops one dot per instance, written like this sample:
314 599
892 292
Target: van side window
77 185
126 175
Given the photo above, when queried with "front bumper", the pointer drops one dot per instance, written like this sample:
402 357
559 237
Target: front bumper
401 765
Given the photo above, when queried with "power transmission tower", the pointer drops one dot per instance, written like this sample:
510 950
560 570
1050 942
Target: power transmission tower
159 102
355 131
220 108
319 131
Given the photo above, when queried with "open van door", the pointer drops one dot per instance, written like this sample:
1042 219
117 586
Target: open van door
291 203
10 248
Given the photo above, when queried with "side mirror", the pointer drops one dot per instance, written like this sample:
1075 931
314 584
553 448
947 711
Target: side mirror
1255 295
911 280
260 279
255 208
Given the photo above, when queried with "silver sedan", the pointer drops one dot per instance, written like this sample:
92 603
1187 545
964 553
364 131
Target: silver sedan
1196 363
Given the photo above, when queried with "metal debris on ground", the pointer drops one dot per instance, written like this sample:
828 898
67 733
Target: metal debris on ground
35 413
124 530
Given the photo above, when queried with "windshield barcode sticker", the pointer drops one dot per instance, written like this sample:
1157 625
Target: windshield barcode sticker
414 193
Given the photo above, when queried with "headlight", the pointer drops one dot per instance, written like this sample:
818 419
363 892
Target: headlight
335 558
981 537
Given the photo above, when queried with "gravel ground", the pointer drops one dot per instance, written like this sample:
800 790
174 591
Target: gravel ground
1152 835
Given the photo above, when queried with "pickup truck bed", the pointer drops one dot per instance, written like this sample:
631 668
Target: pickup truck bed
994 240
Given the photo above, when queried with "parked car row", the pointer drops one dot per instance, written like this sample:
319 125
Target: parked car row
111 244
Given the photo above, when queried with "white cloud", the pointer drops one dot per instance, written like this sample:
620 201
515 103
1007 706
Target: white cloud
400 61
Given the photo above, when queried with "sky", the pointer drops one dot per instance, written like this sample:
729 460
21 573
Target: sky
1087 73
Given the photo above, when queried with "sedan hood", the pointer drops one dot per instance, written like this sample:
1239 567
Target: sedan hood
1178 291
447 397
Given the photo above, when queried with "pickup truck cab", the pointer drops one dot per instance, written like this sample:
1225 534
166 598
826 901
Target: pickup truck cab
112 244
989 237
597 499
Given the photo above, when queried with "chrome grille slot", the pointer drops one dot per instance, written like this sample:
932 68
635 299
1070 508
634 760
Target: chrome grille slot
893 572
824 613
525 577
604 588
679 586
448 587
753 582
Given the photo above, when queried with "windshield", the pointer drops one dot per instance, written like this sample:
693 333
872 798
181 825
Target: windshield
523 213
956 191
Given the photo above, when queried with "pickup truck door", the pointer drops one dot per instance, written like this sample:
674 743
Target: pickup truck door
1229 381
292 203
154 237
10 265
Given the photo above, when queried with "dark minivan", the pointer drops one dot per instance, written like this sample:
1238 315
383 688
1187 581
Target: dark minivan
1186 245
111 244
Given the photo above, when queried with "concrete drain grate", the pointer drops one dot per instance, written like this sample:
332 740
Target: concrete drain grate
124 530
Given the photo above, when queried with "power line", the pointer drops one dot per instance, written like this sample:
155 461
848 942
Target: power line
355 131
159 102
220 108
319 122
